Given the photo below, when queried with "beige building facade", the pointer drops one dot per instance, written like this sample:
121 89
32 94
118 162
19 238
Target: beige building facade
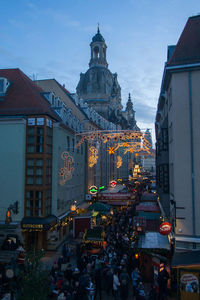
177 128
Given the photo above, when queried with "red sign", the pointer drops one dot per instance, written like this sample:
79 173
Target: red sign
165 228
113 183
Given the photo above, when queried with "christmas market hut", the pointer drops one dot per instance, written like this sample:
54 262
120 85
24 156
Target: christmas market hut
93 239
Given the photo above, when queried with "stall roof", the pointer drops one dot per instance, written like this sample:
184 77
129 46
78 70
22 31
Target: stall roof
148 206
190 258
153 240
100 207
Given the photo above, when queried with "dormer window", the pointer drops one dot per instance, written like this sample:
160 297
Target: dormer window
4 84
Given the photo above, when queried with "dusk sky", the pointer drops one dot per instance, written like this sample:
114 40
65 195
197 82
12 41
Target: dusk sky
50 39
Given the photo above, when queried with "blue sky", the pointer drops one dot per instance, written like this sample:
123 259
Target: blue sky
50 39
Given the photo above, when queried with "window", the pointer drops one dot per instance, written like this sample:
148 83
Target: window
38 180
30 171
68 143
29 180
164 139
72 145
39 162
30 162
81 149
166 178
170 133
1 85
30 149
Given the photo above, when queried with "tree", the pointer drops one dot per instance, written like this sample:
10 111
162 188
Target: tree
34 280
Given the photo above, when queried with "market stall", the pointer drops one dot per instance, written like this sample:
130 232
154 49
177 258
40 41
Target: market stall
187 267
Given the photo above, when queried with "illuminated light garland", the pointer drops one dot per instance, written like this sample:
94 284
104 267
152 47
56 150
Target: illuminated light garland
134 141
93 157
119 161
66 172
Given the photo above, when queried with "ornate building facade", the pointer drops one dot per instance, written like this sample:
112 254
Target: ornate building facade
99 88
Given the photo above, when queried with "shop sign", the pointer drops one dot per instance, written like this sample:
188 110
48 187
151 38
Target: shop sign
113 183
32 226
93 189
165 228
189 283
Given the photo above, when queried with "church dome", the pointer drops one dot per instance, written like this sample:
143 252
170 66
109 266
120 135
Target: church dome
96 81
98 38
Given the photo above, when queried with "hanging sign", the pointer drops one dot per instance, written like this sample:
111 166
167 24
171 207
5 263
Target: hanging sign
165 228
113 183
93 189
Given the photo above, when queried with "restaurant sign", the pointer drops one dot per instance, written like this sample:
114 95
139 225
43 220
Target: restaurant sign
165 228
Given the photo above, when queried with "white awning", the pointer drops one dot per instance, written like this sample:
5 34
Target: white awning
153 240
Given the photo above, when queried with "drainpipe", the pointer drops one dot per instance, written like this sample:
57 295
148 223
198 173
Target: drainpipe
192 151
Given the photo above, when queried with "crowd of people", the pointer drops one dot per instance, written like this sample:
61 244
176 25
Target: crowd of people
113 272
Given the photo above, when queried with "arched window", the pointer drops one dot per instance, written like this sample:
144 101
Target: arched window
96 52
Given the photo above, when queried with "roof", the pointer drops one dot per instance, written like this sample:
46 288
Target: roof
100 207
148 207
153 240
23 96
190 258
187 49
98 37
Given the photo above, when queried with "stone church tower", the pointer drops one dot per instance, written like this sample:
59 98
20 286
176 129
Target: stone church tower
129 115
98 87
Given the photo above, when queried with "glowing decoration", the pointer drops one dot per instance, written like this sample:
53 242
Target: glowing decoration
111 150
136 170
73 207
119 161
93 157
93 189
113 183
66 172
136 255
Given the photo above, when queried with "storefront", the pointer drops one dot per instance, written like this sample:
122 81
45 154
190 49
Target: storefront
36 231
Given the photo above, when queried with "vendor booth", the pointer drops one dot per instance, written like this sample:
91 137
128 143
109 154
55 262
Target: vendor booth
187 265
93 240
154 250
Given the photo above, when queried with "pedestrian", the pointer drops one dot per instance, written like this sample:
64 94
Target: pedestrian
135 277
116 285
152 293
124 280
140 293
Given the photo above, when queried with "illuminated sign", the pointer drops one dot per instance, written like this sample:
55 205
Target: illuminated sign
93 190
165 228
67 170
32 226
93 157
101 187
113 183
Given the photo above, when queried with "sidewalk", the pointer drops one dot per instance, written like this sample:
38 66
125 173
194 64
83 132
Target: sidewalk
51 256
